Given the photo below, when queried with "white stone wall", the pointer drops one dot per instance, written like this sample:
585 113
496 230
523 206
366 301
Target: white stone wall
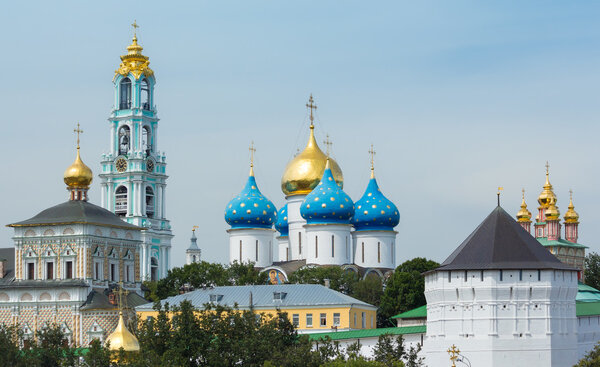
297 234
329 244
368 344
588 334
519 318
283 248
255 245
379 249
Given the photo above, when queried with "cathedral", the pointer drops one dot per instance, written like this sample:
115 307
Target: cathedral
320 225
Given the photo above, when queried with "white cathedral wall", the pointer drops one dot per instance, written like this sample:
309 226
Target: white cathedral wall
518 320
297 234
251 245
329 244
283 248
379 249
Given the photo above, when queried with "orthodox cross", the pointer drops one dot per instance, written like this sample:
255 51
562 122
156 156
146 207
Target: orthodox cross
571 194
372 154
311 104
454 353
120 293
252 151
523 191
547 168
77 131
194 228
135 27
328 144
499 189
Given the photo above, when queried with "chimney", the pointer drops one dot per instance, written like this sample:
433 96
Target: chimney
2 267
327 283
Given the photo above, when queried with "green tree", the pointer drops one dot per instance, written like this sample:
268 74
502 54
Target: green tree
97 355
405 288
592 359
10 337
369 290
339 279
389 351
592 270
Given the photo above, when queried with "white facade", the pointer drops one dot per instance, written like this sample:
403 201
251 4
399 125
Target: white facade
296 231
251 245
283 248
374 249
502 318
588 334
328 244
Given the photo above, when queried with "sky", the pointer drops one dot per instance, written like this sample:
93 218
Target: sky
458 98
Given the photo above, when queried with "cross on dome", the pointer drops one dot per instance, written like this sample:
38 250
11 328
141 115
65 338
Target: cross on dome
135 27
252 150
311 104
372 154
77 131
328 145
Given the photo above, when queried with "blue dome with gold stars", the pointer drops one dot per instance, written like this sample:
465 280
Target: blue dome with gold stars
374 211
250 209
327 203
282 221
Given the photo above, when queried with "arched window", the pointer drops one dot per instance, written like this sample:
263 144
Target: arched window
153 268
125 100
124 140
121 201
147 140
145 94
149 202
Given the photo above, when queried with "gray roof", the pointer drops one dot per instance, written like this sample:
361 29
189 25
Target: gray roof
8 254
76 211
296 295
99 301
62 283
193 244
499 242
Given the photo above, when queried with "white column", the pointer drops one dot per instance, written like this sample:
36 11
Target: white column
103 195
163 201
113 133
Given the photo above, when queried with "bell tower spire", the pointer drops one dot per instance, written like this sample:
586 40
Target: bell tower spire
134 178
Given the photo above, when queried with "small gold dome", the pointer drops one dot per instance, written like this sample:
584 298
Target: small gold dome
571 215
547 197
552 212
304 172
78 175
123 338
524 215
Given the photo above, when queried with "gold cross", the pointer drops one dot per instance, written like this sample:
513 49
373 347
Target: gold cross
328 144
571 194
523 191
78 131
252 151
121 292
194 228
547 168
312 107
454 353
135 27
372 153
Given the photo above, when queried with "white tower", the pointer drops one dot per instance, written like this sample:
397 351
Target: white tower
251 216
301 176
133 178
193 253
503 300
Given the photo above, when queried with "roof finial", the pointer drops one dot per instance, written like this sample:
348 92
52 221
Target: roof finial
78 131
252 151
523 192
120 293
135 27
454 354
328 145
372 154
499 189
194 228
571 194
311 104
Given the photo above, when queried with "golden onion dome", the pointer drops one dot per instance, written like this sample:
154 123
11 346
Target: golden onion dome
547 197
552 212
304 172
524 215
571 215
123 338
78 175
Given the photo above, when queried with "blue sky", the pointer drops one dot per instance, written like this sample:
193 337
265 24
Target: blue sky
458 98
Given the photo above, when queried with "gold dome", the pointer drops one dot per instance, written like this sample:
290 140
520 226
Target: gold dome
524 215
134 62
123 338
304 172
571 215
552 212
547 197
78 175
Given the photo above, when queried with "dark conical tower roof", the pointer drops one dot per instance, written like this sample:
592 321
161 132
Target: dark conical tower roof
499 242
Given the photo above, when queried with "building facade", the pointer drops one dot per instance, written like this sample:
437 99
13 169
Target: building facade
133 177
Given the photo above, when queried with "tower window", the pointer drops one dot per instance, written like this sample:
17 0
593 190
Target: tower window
68 269
145 95
240 251
316 247
363 251
124 140
332 246
50 270
256 249
149 202
121 201
378 252
147 140
30 271
153 268
125 100
299 243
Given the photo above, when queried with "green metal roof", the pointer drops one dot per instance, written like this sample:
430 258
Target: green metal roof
560 242
367 333
419 312
588 309
585 293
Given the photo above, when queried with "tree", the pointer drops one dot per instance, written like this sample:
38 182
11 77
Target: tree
339 279
10 336
405 289
369 290
592 359
389 351
592 270
97 355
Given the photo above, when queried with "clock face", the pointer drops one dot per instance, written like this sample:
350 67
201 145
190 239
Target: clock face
121 165
150 165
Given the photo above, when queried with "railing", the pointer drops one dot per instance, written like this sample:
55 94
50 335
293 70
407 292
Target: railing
125 105
146 106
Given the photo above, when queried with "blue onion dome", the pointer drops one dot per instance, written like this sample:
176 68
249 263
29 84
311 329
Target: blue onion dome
327 203
282 221
250 209
374 211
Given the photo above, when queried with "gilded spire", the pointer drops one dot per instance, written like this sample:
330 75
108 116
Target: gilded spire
571 215
523 215
547 197
134 62
372 154
252 151
122 337
78 175
312 106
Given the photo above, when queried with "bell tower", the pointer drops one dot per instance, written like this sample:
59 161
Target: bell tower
133 176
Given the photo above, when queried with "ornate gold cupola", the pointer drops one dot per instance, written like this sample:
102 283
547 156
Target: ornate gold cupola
547 196
78 176
524 215
571 215
134 62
